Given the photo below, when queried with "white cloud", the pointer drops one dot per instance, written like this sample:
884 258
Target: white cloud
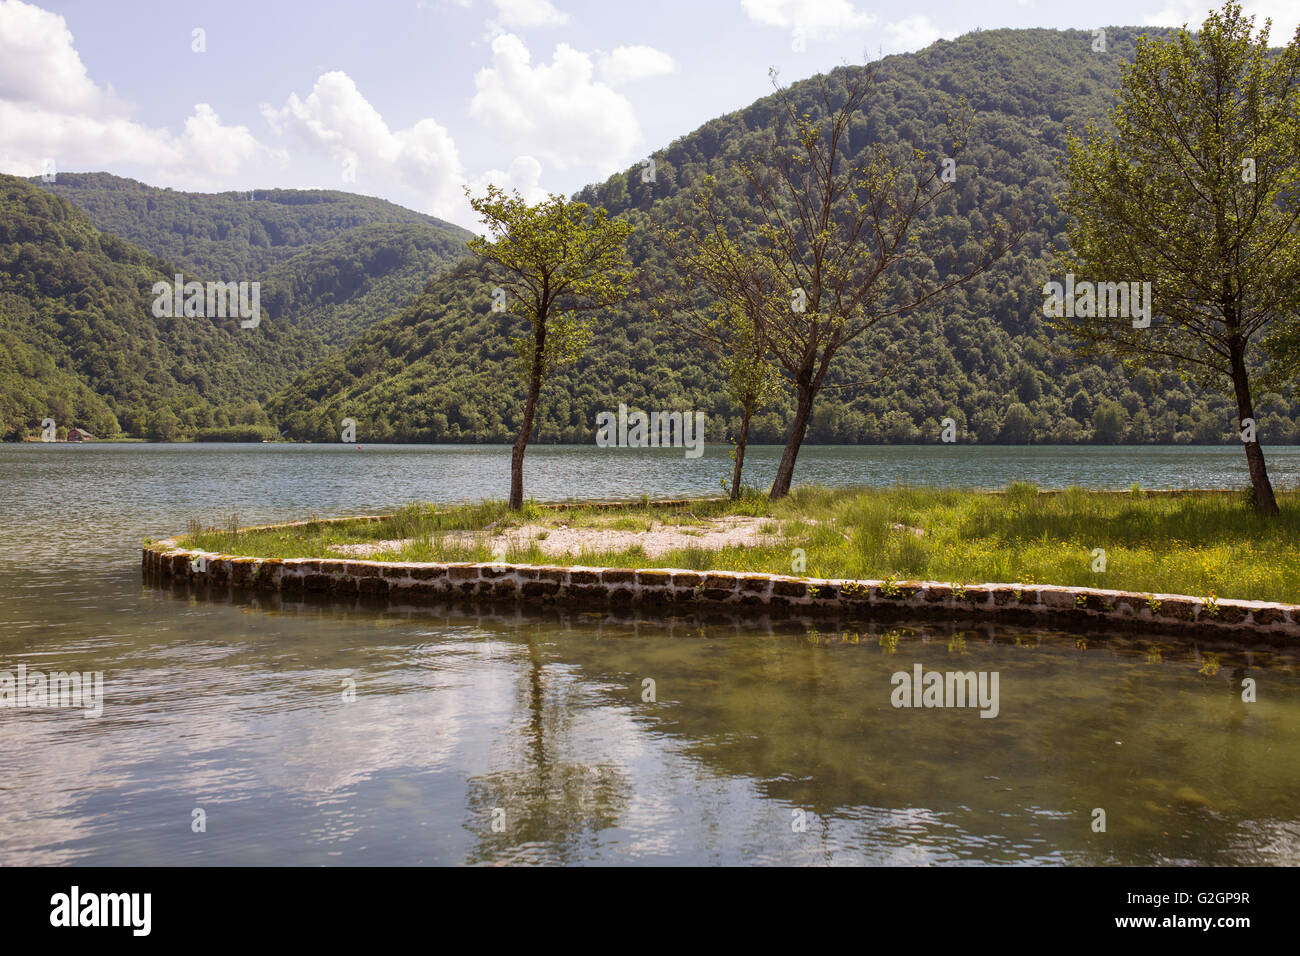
524 175
628 63
226 150
39 65
1285 15
527 14
52 111
914 33
33 135
555 111
337 122
813 19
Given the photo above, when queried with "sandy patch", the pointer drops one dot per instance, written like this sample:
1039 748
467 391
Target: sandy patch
660 539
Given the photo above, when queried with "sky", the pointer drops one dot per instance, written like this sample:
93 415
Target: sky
413 100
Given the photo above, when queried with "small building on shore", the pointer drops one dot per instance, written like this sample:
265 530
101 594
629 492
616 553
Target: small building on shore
79 434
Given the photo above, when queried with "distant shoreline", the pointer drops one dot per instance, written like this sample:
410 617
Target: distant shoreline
27 440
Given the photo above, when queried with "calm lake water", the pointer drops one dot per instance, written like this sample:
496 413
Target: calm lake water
761 745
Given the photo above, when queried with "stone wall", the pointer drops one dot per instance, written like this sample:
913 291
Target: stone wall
738 592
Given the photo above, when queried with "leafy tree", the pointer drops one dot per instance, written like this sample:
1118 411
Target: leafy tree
751 380
838 234
555 259
719 299
1195 191
164 425
1108 423
1019 421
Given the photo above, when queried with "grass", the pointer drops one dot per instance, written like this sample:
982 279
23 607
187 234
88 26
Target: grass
1206 544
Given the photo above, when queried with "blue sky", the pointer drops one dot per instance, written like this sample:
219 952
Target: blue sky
413 99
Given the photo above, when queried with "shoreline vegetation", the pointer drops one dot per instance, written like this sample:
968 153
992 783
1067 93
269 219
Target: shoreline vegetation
1206 544
253 437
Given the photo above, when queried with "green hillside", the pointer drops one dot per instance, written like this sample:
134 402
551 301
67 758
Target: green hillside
231 234
342 285
441 369
332 262
79 342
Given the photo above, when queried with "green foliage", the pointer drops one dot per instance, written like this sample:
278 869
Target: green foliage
343 284
330 262
81 345
237 433
440 367
78 342
1108 423
1195 196
717 294
554 260
232 235
752 382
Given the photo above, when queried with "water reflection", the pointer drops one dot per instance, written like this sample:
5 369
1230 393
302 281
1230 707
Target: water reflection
461 711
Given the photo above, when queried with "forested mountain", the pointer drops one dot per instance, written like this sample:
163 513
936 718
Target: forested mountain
345 284
332 262
78 258
234 235
79 342
361 309
442 368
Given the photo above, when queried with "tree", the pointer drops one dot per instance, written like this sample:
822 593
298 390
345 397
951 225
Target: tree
1283 347
719 298
1108 423
1019 424
751 382
163 425
1195 193
840 234
554 260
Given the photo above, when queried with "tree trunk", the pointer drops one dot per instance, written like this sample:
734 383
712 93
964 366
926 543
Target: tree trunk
803 412
1265 501
741 441
530 412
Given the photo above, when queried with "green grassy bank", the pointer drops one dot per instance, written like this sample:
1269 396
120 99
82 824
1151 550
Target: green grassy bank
1201 543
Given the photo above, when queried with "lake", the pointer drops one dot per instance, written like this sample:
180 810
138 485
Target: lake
489 735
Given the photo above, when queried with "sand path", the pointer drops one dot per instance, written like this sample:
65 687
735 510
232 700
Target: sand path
660 539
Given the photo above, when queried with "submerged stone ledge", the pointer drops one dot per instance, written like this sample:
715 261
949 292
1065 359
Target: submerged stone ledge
735 591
